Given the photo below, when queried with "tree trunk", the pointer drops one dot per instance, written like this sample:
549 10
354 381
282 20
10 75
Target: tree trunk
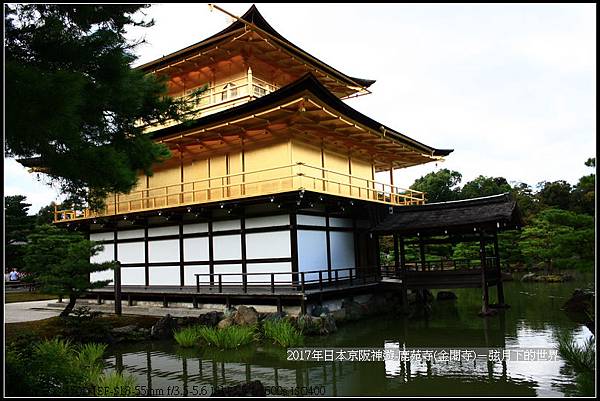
70 305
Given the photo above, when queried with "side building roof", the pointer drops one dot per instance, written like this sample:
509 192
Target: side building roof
497 211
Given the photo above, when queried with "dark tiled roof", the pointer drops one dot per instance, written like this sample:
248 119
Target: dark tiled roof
461 215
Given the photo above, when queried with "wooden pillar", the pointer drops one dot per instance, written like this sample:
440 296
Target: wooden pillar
117 278
396 254
403 274
499 286
484 287
422 253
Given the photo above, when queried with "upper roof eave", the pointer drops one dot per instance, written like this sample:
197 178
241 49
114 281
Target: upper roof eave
255 17
307 84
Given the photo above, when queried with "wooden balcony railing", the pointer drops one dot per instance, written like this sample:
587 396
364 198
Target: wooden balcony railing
217 98
267 181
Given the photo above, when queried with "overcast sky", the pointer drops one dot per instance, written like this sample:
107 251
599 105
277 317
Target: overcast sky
511 88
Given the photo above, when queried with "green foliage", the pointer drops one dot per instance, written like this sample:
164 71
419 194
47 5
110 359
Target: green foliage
18 226
60 261
439 186
581 359
187 337
555 194
484 186
115 384
557 235
84 326
228 338
53 368
75 103
282 332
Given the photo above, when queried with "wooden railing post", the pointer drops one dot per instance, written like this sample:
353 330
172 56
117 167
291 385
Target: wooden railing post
321 280
302 278
272 283
197 283
220 283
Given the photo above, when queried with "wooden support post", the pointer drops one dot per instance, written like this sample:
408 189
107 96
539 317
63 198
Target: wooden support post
117 284
165 302
98 301
422 253
403 274
279 306
129 300
302 306
484 287
396 255
195 302
499 286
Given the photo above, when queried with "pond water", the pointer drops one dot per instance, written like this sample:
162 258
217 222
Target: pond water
533 321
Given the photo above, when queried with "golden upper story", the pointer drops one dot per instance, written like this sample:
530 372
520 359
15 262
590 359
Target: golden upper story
269 120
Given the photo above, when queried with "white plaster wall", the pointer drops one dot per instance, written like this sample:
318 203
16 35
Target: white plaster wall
312 252
233 268
163 251
130 234
164 275
195 228
102 275
227 225
267 221
307 220
342 251
131 252
269 268
227 247
106 255
105 236
268 245
190 279
340 222
195 249
169 230
133 276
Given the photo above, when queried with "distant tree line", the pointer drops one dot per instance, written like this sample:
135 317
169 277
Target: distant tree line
559 223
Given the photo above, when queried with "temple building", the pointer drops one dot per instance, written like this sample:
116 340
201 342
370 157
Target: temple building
270 193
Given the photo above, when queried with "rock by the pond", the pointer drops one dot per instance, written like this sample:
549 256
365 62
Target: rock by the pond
339 315
210 319
328 325
528 277
506 276
354 310
163 329
580 308
252 389
318 310
580 301
245 316
124 330
223 324
445 295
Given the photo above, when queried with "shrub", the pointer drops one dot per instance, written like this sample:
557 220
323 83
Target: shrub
581 359
187 337
116 384
228 338
53 368
282 332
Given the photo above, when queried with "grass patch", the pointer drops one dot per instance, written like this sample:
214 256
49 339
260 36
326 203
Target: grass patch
187 337
228 338
115 384
10 297
282 332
